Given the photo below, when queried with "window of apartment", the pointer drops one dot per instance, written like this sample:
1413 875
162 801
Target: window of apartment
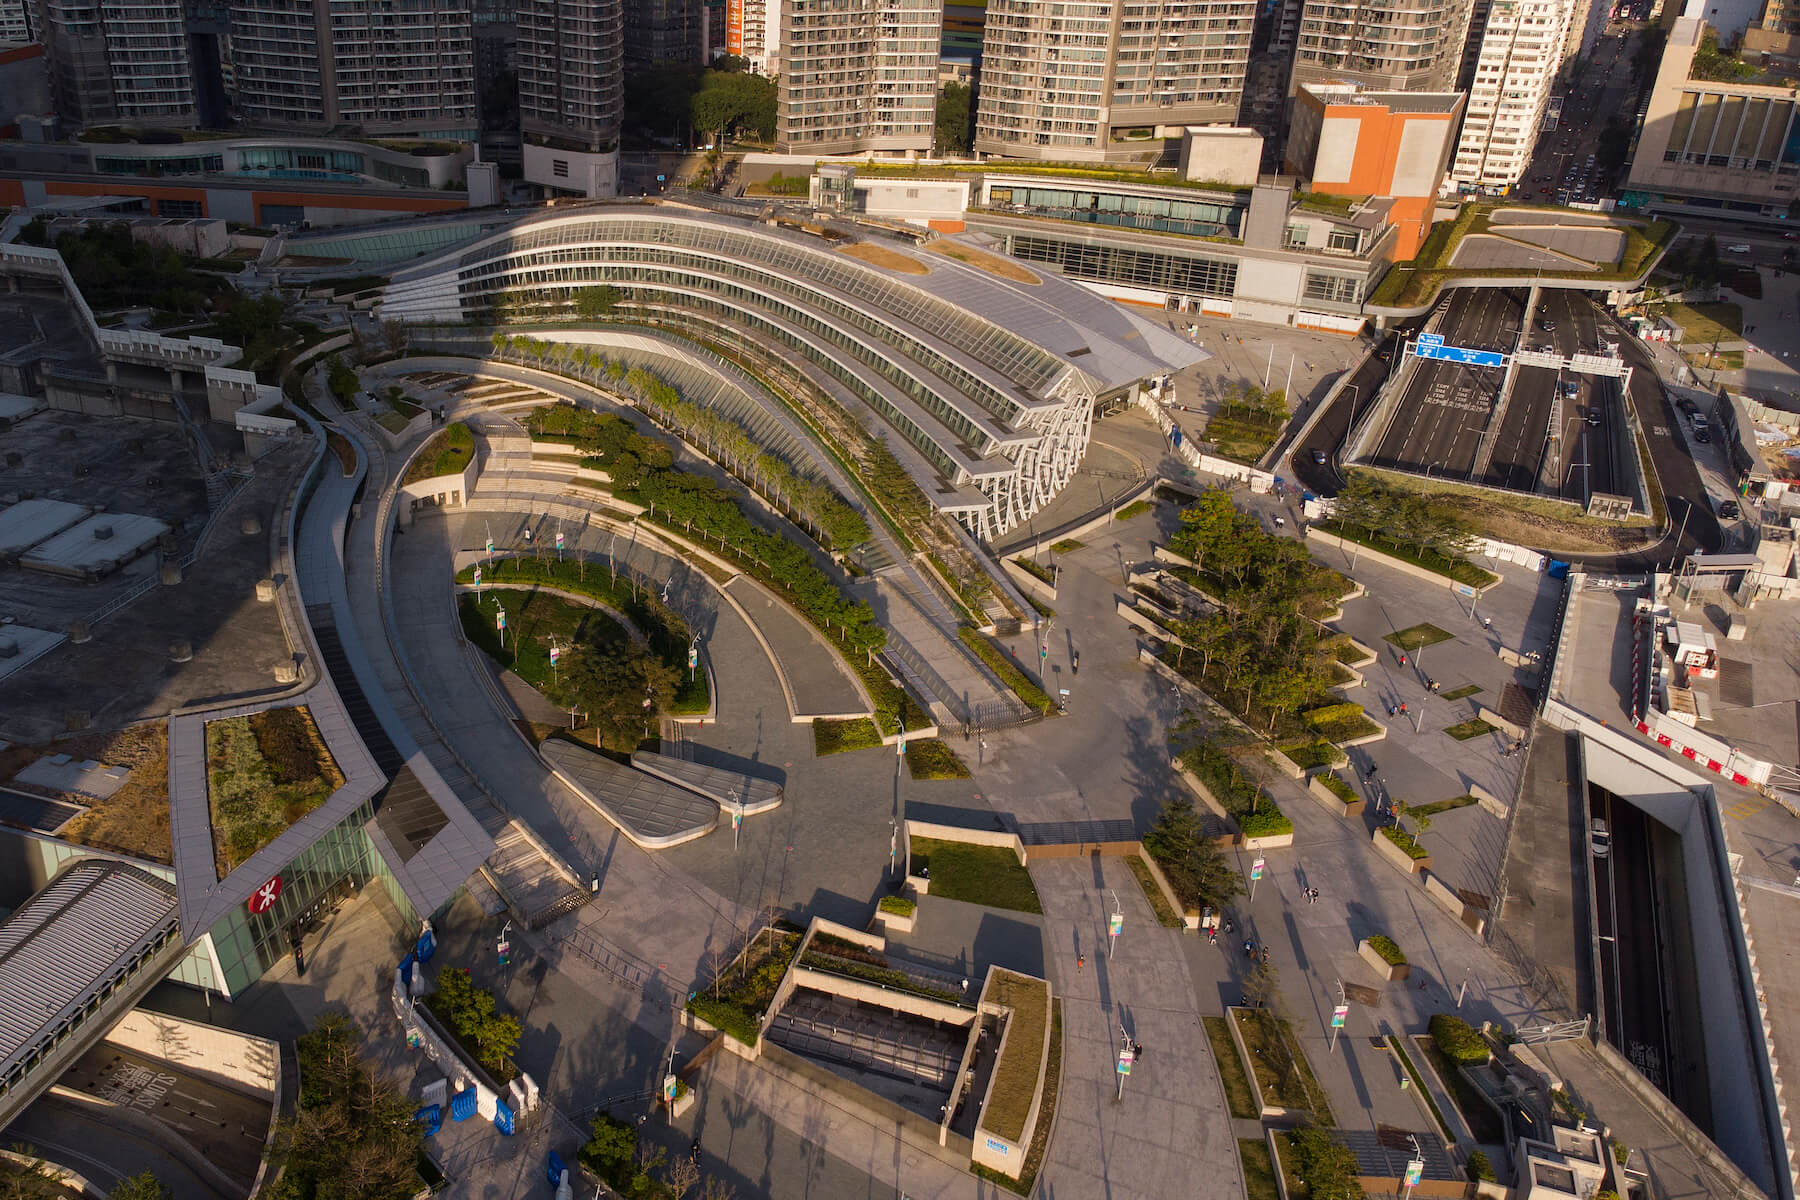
1343 239
559 167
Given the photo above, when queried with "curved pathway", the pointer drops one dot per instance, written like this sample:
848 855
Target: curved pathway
904 600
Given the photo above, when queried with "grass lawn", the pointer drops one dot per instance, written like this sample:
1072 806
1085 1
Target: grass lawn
1136 508
1460 570
1238 1096
667 633
930 758
1463 692
835 737
1241 438
1706 323
1481 1119
1416 637
264 772
1283 1075
990 875
1474 727
1016 1074
1724 360
1040 1137
446 454
1066 546
1259 1171
1165 916
1432 810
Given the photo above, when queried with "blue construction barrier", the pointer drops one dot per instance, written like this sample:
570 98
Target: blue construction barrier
426 946
431 1117
554 1171
462 1105
503 1117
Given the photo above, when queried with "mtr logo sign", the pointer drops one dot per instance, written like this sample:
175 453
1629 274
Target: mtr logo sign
264 897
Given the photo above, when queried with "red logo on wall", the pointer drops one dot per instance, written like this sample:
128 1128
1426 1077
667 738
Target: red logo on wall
263 898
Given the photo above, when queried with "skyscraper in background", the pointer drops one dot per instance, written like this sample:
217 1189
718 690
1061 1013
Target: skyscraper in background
381 68
1086 79
119 62
661 33
18 21
1387 45
1521 52
571 93
857 75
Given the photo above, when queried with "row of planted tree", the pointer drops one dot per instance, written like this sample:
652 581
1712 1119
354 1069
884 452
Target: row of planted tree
807 501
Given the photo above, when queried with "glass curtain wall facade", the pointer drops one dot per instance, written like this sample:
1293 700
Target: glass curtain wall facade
330 870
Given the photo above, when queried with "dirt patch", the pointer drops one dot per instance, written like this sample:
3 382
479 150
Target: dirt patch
1548 534
135 820
993 264
881 256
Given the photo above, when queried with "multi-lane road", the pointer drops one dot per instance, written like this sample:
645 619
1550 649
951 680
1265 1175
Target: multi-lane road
1429 432
1438 425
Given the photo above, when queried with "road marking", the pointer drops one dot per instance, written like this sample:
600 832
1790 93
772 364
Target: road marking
1746 808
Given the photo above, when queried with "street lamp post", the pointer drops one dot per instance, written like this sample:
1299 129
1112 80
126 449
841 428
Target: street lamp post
1115 924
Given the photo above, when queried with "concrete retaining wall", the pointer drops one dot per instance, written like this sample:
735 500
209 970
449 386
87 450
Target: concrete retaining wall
989 1150
235 1060
1473 919
1381 966
1385 847
953 833
1190 919
1031 584
1336 805
884 997
1349 548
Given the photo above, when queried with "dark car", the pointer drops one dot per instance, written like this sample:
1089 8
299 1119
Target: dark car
1701 436
1318 457
1729 510
1547 325
1687 406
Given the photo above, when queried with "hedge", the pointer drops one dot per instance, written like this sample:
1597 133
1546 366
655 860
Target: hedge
1459 1040
1388 949
900 906
1405 841
1330 713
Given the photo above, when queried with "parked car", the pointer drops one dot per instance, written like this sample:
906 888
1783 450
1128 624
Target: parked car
1600 837
1740 248
1703 437
1729 509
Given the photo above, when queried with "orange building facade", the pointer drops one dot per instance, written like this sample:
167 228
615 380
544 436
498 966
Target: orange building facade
1348 142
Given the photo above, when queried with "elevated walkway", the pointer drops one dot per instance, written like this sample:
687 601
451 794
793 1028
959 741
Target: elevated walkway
74 959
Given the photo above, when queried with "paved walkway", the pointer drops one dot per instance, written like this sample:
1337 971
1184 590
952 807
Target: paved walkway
1169 1135
651 912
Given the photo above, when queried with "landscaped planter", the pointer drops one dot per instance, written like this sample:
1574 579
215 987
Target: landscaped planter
1385 846
1384 968
896 914
1274 841
1334 803
685 1099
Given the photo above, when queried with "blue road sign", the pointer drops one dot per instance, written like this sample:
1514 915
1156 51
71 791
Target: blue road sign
1461 354
1431 339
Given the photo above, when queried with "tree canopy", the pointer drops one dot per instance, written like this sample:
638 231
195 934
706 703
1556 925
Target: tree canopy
1192 862
955 120
353 1136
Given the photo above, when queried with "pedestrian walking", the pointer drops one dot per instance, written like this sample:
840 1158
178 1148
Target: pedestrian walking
1403 659
1487 623
1315 895
1265 955
1080 963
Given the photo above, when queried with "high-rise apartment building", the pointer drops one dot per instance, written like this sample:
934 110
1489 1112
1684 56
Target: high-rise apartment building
121 61
1521 53
661 33
571 93
857 75
17 21
1084 79
1385 45
374 66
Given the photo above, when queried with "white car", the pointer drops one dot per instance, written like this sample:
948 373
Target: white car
1740 248
1601 838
